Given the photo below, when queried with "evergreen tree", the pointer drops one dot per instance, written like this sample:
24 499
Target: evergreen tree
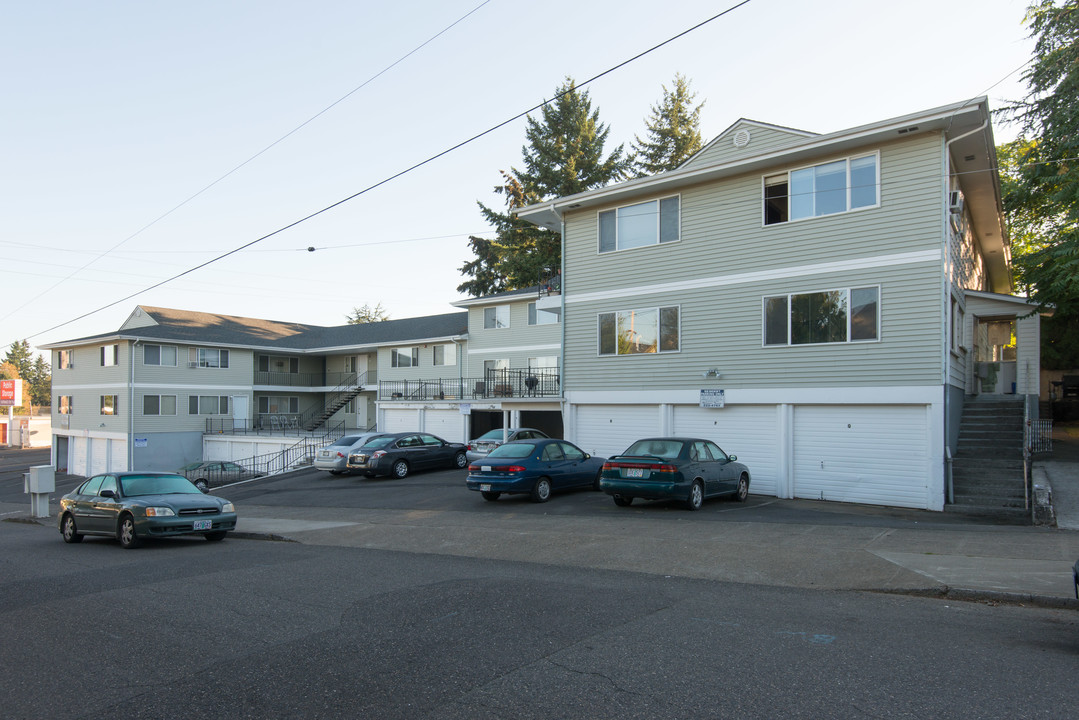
40 390
1041 194
564 155
21 357
674 131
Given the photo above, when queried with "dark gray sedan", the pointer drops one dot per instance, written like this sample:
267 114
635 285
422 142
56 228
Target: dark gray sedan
398 454
133 506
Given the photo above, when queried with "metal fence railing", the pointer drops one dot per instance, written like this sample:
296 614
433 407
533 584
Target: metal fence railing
494 384
218 473
1039 436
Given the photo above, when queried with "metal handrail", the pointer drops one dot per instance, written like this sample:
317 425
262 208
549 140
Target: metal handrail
493 384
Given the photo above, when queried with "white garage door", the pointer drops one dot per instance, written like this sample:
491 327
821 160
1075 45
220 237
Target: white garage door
447 424
401 421
607 430
746 431
80 457
877 455
117 455
99 455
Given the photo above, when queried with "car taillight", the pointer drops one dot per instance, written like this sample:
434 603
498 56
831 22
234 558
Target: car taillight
508 468
607 466
664 468
468 447
473 468
340 455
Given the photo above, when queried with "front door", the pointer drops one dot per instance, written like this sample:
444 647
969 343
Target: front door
239 411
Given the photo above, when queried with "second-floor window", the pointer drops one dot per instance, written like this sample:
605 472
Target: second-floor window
268 363
445 355
640 225
110 355
829 316
540 317
63 405
209 358
634 332
110 404
405 357
159 355
158 404
65 359
835 187
496 317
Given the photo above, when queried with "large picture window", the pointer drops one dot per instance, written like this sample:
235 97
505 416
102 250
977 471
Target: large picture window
635 332
640 225
445 355
826 189
209 357
405 357
540 317
208 405
829 316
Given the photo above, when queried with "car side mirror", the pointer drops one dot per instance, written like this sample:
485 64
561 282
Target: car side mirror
587 456
733 458
108 494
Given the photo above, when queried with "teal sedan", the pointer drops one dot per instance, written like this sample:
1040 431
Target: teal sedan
684 469
134 506
535 468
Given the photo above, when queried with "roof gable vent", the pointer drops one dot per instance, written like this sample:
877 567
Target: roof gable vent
741 138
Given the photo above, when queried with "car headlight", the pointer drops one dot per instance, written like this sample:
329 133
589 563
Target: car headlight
159 512
228 507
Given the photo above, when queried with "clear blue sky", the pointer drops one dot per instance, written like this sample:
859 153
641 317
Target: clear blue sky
117 112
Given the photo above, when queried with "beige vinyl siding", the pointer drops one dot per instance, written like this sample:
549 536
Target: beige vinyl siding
137 319
722 234
762 140
722 328
722 230
516 343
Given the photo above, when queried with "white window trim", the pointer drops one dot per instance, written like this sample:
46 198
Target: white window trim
195 361
658 352
615 210
449 355
849 209
412 353
848 341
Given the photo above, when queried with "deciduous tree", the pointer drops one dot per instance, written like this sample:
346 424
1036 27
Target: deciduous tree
367 314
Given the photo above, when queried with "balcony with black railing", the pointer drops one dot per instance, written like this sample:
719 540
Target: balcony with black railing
309 380
495 384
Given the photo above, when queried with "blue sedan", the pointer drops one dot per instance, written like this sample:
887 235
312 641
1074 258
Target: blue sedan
534 467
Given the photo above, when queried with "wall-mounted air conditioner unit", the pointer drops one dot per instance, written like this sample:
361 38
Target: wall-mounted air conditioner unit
955 202
193 364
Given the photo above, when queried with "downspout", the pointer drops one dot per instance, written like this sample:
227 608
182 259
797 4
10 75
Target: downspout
562 342
131 410
945 345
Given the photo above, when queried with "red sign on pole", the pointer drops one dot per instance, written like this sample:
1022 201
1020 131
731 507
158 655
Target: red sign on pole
10 393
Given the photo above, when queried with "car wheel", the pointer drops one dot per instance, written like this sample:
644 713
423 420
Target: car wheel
71 532
622 501
202 485
217 535
400 469
128 537
491 495
541 491
696 496
460 460
743 489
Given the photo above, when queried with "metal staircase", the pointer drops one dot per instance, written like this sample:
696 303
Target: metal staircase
316 417
987 471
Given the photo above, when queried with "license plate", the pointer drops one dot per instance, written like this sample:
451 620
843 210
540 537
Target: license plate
635 472
203 524
486 487
485 468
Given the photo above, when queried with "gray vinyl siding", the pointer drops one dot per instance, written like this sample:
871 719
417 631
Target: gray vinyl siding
722 234
426 370
516 344
762 140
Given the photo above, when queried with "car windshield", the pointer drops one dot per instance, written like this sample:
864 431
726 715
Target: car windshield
495 434
379 441
134 485
667 449
347 441
512 450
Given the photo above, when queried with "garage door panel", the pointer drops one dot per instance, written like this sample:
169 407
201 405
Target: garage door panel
99 455
447 424
606 430
866 454
80 457
400 421
746 431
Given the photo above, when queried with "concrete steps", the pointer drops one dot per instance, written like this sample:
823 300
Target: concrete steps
987 470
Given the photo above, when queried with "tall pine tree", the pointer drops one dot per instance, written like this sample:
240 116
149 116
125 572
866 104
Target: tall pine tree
564 155
674 131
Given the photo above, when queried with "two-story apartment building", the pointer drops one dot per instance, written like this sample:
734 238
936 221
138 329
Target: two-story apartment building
817 304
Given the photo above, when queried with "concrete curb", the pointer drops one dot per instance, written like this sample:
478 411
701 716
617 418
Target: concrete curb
987 596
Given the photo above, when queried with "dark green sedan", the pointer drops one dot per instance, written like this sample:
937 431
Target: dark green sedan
133 506
673 468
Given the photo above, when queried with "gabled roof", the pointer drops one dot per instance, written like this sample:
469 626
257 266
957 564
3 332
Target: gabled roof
744 138
212 329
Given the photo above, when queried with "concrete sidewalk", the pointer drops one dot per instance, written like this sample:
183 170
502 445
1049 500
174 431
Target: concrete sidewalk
857 548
